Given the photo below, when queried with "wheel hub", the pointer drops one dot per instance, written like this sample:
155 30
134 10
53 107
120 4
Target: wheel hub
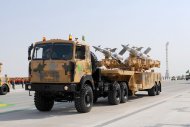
87 100
125 93
118 94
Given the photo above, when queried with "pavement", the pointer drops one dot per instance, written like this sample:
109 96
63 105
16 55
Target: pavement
170 109
18 88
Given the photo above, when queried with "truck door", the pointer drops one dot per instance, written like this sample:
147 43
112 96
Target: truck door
83 66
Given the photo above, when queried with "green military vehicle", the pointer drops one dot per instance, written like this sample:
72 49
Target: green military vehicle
66 70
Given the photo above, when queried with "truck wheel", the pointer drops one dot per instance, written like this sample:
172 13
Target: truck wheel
84 102
43 103
114 95
4 89
152 91
124 92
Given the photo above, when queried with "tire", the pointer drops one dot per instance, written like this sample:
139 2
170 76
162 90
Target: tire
152 91
114 95
43 103
84 102
94 61
124 92
4 89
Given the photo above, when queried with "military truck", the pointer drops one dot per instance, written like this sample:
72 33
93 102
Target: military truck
67 70
4 84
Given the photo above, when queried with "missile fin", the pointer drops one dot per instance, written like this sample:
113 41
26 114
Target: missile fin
147 50
122 51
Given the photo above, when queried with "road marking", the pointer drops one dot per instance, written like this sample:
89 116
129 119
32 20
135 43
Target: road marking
5 105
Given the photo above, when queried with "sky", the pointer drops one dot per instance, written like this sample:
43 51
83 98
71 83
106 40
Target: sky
109 23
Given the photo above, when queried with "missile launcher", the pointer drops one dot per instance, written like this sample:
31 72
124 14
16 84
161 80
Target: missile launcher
137 61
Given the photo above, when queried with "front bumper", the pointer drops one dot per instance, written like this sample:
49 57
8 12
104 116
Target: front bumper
51 87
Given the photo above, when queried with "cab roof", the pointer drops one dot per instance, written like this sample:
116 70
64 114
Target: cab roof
62 41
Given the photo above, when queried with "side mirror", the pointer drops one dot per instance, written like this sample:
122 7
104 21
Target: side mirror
29 57
29 51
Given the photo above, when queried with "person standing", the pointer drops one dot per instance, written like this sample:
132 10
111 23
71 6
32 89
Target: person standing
22 82
12 81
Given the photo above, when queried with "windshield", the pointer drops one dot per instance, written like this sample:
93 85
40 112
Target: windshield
57 51
62 51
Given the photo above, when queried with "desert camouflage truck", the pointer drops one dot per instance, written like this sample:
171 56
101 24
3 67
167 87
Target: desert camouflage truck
4 83
66 70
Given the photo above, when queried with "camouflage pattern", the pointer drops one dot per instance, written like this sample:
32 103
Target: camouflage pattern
61 71
144 80
138 64
111 63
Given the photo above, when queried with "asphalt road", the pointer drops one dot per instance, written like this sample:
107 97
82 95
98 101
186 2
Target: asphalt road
170 109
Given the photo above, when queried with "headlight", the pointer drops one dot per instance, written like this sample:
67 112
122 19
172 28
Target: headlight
29 87
66 88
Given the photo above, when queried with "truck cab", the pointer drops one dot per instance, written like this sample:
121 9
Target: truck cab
59 61
58 70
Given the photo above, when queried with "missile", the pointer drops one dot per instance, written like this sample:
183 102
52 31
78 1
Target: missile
114 55
145 55
137 48
136 51
111 50
108 52
133 51
117 57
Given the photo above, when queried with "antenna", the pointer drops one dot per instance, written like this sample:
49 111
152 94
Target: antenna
167 76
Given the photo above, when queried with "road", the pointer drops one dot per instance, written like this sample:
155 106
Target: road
170 109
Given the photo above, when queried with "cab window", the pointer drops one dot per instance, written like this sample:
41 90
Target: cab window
80 52
62 51
56 51
42 51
